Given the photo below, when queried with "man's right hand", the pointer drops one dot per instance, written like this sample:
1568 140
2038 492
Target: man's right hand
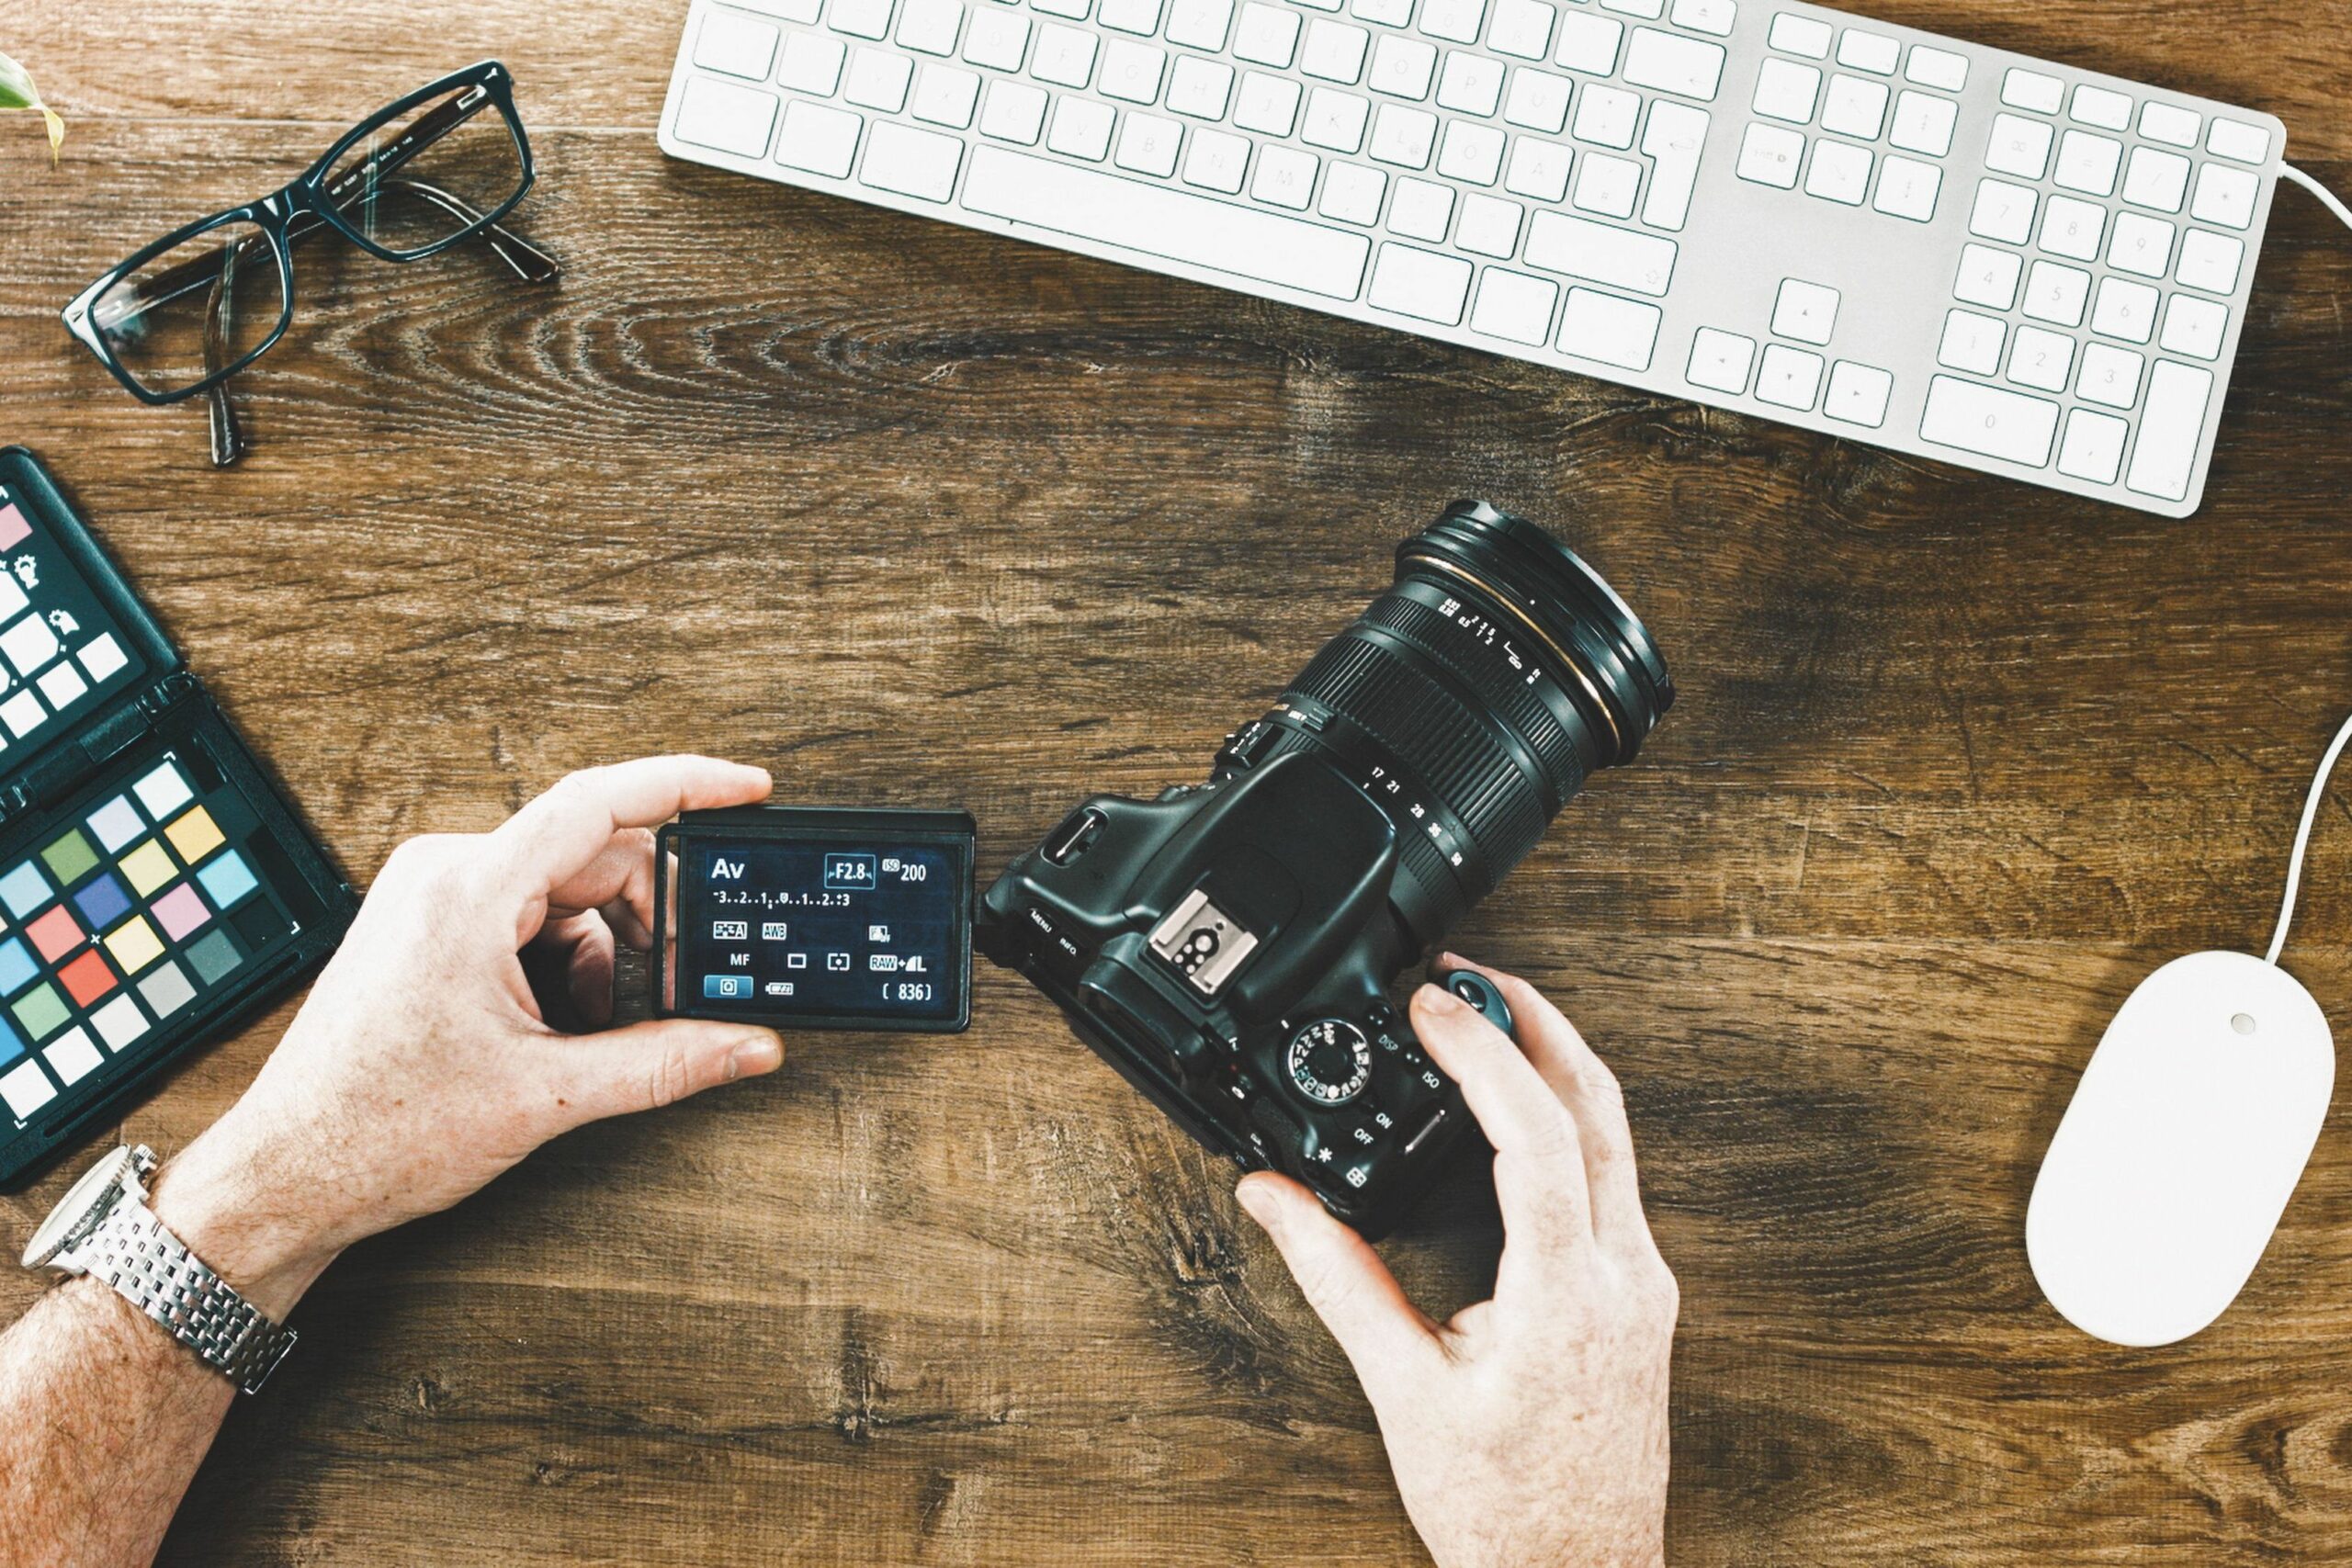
1530 1429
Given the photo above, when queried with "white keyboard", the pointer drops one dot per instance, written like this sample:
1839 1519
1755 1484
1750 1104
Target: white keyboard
1759 205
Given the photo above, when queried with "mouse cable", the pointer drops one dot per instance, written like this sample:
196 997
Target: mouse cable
2303 842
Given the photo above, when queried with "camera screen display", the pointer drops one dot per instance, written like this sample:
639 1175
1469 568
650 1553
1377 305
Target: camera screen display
874 929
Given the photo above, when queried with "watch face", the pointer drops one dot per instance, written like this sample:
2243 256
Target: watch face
95 1191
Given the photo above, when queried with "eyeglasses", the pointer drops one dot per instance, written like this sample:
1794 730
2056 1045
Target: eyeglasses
439 166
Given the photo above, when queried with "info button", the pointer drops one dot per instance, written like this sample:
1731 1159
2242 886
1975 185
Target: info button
726 987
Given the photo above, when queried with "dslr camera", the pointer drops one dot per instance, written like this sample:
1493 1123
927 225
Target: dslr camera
1230 946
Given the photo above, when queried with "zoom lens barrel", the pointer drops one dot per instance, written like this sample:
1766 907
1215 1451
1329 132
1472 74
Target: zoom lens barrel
1472 700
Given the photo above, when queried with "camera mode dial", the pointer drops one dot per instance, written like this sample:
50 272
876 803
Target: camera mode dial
1329 1061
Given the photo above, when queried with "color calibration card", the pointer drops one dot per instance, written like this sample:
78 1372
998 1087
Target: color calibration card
837 931
60 655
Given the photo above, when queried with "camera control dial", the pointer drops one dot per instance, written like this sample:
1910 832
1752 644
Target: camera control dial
1329 1061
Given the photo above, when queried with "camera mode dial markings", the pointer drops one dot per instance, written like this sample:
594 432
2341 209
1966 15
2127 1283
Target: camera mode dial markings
1329 1061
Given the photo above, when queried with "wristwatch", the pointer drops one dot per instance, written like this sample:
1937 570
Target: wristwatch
104 1229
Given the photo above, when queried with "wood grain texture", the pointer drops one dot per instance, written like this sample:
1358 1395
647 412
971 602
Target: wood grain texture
917 516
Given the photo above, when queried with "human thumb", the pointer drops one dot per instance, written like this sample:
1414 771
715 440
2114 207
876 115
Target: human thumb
1340 1276
644 1067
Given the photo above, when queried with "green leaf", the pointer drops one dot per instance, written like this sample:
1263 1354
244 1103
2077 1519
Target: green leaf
17 91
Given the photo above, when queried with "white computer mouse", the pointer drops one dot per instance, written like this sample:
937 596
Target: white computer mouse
2183 1143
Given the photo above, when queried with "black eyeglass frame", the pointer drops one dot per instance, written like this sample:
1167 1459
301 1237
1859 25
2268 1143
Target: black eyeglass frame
289 214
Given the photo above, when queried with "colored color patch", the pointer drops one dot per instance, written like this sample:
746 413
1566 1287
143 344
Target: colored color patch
55 934
14 529
195 835
40 1010
117 823
16 967
102 900
72 1056
181 911
163 791
10 1046
89 977
167 990
214 957
119 1022
24 890
134 945
227 879
70 856
149 867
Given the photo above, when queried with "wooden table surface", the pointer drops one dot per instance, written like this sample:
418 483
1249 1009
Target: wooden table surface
919 517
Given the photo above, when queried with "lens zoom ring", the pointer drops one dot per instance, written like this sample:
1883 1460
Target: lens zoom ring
1501 686
1425 725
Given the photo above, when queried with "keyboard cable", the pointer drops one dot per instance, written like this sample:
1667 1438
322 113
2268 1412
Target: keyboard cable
2326 197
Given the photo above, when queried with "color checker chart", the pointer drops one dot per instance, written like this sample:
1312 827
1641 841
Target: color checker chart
119 920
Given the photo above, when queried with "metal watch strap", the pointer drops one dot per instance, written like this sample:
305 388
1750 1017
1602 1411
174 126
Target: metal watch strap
148 1266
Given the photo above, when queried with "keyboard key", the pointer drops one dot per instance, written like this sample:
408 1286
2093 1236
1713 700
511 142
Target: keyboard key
1538 169
1716 16
1404 137
1199 24
1907 188
813 64
920 164
928 26
1013 111
1065 56
1199 231
2156 179
737 46
2042 359
1936 68
1971 342
1769 156
1521 28
2142 245
1538 100
2092 450
1989 422
1923 123
1787 377
1607 184
2125 310
1387 13
1138 16
2210 261
1334 119
1786 90
1131 71
2225 195
2019 146
2022 89
1602 327
1668 62
2111 376
2166 455
1352 193
1285 177
2194 327
1597 252
1805 312
1470 83
877 80
1854 107
1403 67
821 141
2072 228
2087 163
1489 226
1649 9
801 11
1457 21
2002 212
2239 142
1472 153
1873 52
1414 282
2173 126
2099 106
1589 43
945 95
1199 89
1267 35
1215 160
724 117
1987 278
996 38
1720 360
2055 293
866 18
1673 138
1840 172
1858 394
1334 51
1801 35
1073 9
1148 144
1269 103
1513 306
1081 128
1421 210
1606 115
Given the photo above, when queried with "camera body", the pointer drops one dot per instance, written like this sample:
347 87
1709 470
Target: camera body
1229 946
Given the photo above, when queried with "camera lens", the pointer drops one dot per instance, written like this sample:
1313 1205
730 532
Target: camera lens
1471 700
